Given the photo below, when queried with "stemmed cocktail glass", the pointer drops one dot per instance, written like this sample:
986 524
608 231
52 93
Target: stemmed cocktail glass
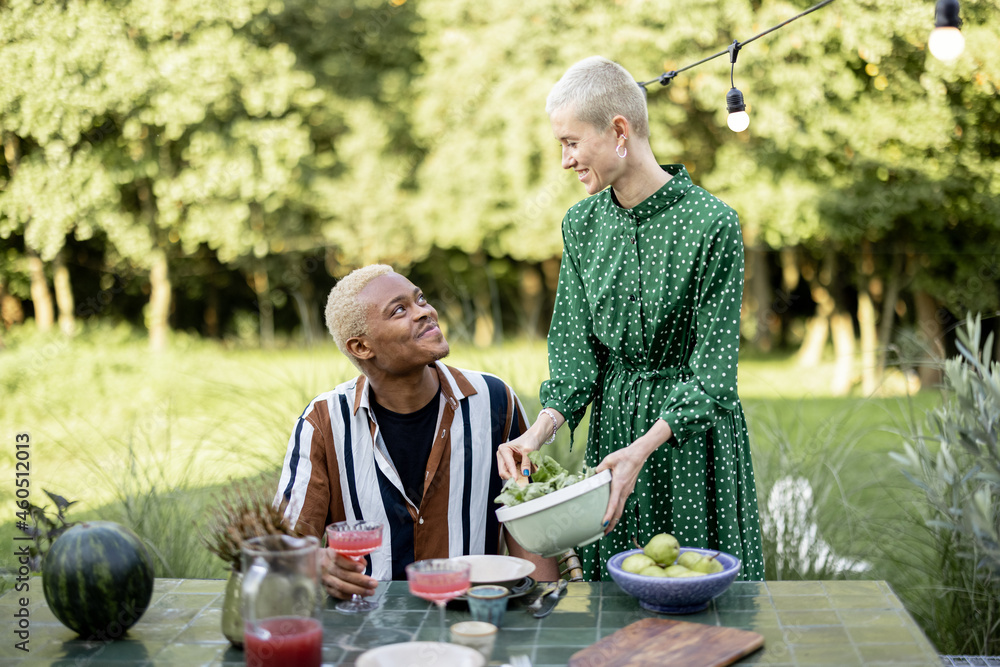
438 580
354 539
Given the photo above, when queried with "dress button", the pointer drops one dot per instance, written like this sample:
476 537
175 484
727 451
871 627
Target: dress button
420 521
631 297
632 240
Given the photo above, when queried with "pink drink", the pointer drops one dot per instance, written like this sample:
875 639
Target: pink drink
354 544
439 586
354 539
293 641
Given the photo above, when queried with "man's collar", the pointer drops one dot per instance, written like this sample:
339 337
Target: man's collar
454 387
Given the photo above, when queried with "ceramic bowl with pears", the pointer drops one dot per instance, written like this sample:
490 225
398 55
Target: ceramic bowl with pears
679 580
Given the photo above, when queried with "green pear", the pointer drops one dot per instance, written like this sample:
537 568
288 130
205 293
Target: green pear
708 565
636 563
677 571
663 548
654 570
689 559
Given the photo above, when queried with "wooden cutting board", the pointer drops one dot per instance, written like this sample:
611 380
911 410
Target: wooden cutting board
657 642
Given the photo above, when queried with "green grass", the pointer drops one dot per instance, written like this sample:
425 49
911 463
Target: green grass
201 414
102 405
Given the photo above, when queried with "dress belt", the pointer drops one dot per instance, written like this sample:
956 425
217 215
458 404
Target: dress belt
632 376
666 373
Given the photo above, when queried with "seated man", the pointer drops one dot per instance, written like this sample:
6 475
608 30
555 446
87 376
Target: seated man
410 442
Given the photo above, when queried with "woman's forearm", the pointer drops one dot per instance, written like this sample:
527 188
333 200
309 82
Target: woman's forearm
549 422
649 442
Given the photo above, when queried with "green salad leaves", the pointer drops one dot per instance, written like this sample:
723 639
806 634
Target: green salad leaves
549 477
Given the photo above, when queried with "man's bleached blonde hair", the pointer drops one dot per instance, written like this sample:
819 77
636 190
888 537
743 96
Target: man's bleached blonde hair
346 315
598 90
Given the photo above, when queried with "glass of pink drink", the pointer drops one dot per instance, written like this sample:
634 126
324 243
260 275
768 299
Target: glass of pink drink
354 539
438 580
283 641
281 599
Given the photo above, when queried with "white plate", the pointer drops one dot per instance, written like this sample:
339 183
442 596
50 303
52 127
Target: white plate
421 654
501 570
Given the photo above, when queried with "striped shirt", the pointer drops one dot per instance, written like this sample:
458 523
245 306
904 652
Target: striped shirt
337 468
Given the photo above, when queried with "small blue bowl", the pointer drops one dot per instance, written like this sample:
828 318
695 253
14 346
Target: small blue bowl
671 595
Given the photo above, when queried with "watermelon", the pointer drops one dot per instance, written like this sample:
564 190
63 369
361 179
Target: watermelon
98 579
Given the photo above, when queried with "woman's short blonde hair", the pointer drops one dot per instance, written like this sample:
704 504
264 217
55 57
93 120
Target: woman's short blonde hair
598 90
346 316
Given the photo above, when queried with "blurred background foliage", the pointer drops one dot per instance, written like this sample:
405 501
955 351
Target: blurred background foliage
212 168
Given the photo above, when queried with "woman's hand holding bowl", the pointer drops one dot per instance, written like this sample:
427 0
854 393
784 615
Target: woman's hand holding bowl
625 464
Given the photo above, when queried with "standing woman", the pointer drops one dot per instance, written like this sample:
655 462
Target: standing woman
646 326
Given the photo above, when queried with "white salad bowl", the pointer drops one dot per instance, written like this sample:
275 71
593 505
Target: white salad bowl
564 519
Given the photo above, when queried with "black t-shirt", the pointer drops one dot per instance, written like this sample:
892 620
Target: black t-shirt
408 438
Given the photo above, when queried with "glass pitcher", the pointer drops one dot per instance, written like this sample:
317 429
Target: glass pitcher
281 601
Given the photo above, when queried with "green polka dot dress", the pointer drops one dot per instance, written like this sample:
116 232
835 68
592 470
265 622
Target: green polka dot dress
646 326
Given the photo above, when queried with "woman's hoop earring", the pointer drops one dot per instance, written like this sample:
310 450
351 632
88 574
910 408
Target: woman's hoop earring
621 155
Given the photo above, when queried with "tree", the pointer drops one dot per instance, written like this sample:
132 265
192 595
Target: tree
210 136
883 156
256 135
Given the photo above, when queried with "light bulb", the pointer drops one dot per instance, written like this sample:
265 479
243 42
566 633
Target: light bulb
738 121
946 43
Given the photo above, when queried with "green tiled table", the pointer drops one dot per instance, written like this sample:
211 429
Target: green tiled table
838 623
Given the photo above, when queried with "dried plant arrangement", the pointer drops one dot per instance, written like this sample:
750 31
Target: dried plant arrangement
244 510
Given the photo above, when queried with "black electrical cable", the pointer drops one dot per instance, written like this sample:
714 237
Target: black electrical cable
667 77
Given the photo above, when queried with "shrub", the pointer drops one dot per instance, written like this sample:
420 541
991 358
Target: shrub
805 486
954 459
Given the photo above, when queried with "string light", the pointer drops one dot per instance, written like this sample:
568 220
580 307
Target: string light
738 119
946 42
